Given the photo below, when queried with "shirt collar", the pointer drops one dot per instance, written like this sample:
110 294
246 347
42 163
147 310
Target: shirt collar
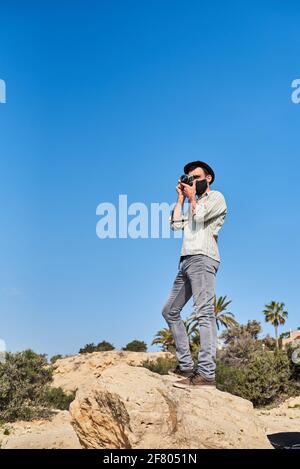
206 193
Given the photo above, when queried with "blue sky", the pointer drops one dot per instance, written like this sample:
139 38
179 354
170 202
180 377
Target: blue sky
112 97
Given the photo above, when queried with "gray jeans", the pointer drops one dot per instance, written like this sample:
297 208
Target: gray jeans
196 277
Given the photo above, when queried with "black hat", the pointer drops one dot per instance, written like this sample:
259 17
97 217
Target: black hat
199 164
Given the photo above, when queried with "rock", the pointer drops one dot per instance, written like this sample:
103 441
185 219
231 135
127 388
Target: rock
285 418
71 372
123 406
57 432
131 407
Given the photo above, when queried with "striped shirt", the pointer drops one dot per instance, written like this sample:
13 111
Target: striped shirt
200 230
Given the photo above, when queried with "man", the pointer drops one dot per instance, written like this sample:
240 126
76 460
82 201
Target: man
198 265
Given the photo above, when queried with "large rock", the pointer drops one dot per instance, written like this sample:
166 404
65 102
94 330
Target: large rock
131 407
72 372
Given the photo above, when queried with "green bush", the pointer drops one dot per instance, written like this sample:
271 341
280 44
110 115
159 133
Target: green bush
264 378
56 398
24 382
88 348
104 346
54 358
101 347
23 377
240 343
161 366
229 378
269 342
136 346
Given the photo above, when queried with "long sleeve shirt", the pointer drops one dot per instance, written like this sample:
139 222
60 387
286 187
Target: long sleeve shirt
200 230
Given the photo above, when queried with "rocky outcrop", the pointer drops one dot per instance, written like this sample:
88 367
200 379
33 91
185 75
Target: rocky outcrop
131 407
54 433
120 404
284 418
72 372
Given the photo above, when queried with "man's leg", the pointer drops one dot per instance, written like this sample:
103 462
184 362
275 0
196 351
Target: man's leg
201 271
180 294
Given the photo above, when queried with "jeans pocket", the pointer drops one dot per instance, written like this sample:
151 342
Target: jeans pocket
217 266
211 265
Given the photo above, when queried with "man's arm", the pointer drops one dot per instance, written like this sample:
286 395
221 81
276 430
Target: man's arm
177 219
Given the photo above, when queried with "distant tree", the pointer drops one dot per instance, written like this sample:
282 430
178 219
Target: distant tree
54 358
284 335
136 346
164 338
240 342
275 314
88 348
254 328
223 318
104 346
269 342
101 347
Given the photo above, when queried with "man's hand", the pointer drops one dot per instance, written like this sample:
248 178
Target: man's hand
177 212
189 191
179 190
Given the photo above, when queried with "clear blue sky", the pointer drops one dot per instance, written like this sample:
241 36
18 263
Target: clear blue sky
114 97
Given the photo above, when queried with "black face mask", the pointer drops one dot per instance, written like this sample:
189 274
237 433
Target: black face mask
201 187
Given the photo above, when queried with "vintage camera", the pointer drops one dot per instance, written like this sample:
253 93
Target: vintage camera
187 179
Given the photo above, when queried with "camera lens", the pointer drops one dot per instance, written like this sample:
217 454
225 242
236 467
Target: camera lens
184 178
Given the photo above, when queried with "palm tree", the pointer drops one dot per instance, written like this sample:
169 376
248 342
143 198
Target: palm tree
275 314
223 317
164 338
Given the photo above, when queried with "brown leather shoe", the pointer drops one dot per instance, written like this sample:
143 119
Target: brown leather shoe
195 381
183 373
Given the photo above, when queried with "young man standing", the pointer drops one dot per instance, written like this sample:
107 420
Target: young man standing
198 265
